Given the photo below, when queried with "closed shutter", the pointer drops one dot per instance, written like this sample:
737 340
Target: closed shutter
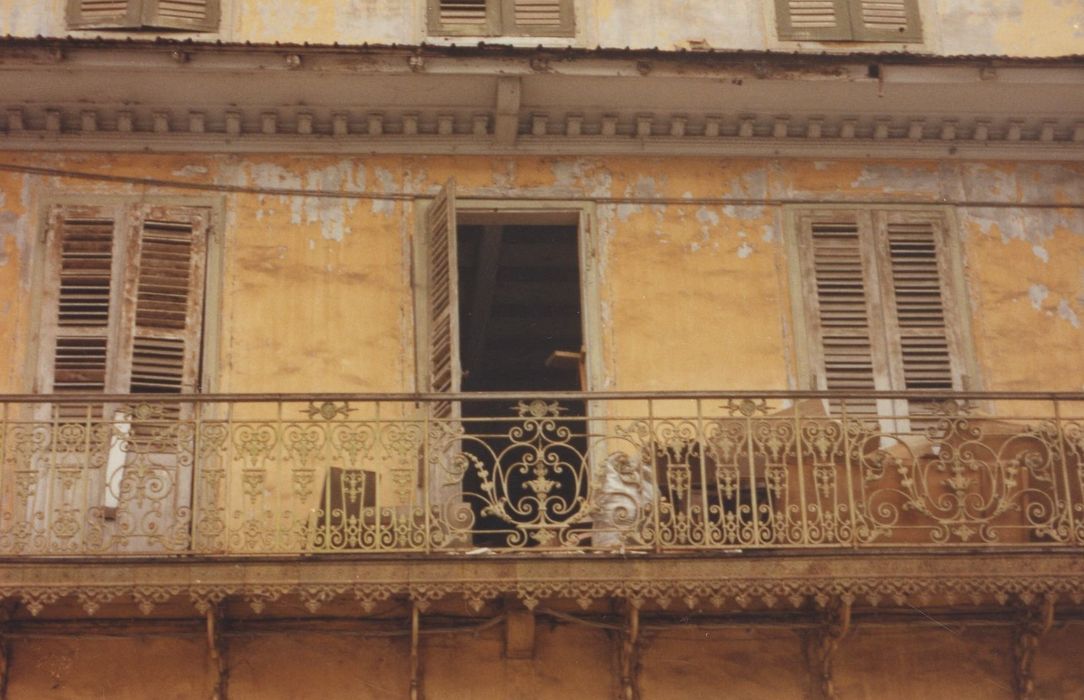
167 288
443 301
843 316
813 19
849 20
916 313
84 247
886 20
538 17
104 14
193 15
464 17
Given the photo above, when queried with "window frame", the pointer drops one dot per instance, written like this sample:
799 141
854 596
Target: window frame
496 26
512 211
808 364
40 358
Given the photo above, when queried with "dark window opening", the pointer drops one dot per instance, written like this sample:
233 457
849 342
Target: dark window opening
521 331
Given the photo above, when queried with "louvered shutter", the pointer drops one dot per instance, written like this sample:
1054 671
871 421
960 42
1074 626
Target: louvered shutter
81 306
193 15
538 17
920 344
104 14
464 17
443 302
885 20
844 314
160 331
814 19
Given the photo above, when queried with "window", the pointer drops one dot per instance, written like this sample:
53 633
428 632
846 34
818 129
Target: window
501 17
849 20
123 299
879 303
189 15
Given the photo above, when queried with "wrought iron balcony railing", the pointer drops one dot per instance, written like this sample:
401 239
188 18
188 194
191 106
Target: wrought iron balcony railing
297 475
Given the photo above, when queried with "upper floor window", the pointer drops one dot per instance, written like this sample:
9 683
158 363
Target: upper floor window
501 17
186 15
882 305
849 20
122 308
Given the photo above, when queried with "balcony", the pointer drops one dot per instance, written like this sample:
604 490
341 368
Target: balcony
598 474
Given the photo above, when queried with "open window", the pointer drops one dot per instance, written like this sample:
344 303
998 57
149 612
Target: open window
849 20
501 17
122 313
502 308
183 15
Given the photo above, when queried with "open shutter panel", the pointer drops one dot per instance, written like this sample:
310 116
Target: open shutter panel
193 15
464 17
918 306
85 244
538 17
885 20
104 14
167 286
813 19
842 314
444 359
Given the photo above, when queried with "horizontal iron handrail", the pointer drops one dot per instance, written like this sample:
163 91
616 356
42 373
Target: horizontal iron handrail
542 395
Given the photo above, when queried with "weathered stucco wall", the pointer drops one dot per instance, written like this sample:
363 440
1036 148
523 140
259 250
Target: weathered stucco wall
1009 27
317 290
875 663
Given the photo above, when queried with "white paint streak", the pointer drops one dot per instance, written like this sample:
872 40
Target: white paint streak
1038 294
745 250
1066 312
1041 253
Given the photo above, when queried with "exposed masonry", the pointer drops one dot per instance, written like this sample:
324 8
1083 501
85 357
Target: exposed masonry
112 127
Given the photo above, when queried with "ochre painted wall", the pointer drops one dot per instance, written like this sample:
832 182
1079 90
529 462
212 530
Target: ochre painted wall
951 27
874 663
317 291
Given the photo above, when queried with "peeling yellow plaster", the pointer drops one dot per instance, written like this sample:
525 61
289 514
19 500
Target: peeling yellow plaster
1043 28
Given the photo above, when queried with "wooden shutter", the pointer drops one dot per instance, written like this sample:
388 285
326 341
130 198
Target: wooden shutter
920 345
538 17
163 323
844 317
464 17
104 14
814 19
885 20
81 300
443 301
193 15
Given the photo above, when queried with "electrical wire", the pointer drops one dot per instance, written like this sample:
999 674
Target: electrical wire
521 196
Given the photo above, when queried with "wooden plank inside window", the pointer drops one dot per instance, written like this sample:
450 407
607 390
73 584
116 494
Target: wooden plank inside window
813 19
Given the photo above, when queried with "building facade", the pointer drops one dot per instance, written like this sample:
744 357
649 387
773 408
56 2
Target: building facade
542 348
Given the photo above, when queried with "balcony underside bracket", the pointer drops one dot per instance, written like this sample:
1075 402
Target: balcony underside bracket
216 648
824 643
630 653
415 652
1036 623
5 650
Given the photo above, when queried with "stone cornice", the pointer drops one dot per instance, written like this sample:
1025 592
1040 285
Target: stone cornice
662 583
123 129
